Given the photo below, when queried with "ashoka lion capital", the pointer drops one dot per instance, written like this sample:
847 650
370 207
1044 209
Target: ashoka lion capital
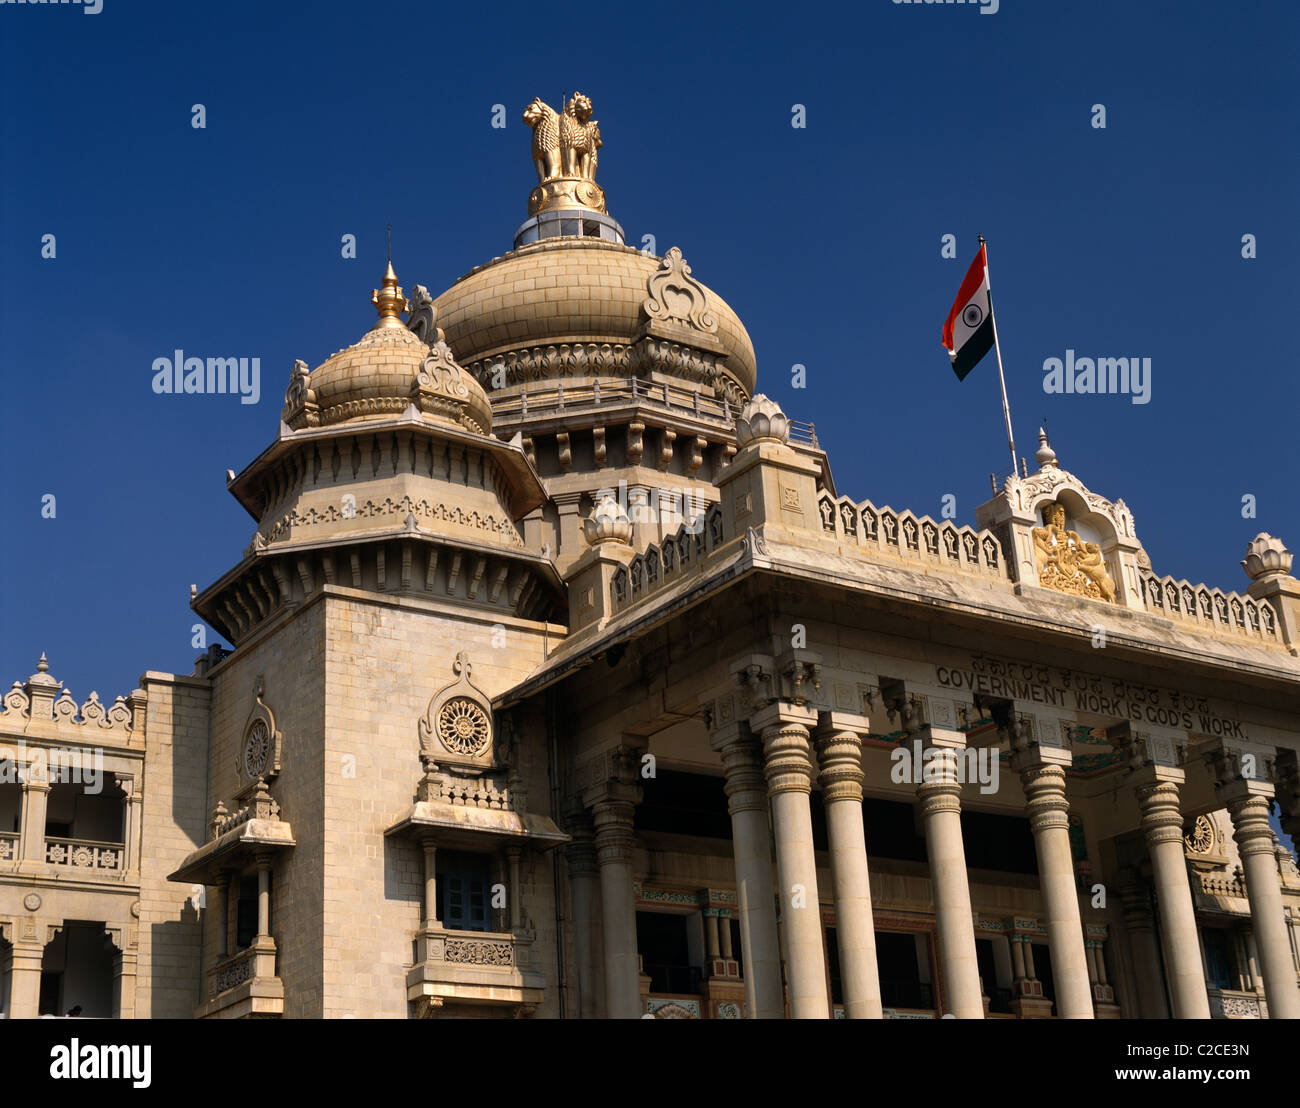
564 153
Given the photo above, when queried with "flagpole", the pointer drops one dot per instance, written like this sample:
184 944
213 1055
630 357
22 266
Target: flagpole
1006 407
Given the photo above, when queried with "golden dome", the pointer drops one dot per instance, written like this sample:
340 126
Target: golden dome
384 374
591 296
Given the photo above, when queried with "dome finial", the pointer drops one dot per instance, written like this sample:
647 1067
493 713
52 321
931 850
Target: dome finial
388 298
1045 456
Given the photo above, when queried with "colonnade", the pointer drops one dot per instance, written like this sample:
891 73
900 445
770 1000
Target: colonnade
771 760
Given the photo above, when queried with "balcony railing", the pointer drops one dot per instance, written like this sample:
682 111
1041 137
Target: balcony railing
476 967
1234 1004
85 855
231 971
8 846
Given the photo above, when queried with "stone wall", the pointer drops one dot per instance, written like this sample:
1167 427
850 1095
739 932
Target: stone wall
174 802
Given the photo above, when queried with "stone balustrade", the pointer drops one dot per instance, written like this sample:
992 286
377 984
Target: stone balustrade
905 535
84 855
8 846
664 562
231 972
1210 609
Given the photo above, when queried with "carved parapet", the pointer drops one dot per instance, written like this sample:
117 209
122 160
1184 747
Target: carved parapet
42 703
885 533
1212 611
663 563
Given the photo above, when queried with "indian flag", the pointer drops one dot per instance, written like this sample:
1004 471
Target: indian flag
968 330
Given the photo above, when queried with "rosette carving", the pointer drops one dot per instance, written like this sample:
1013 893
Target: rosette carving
456 729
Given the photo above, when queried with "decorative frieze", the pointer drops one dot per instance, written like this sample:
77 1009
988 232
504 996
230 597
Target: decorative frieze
43 699
429 511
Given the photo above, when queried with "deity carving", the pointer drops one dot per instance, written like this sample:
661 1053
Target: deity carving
565 146
1066 562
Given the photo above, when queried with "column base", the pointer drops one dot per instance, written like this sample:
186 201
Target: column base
725 999
1031 1008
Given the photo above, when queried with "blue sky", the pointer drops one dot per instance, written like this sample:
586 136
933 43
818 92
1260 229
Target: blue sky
326 118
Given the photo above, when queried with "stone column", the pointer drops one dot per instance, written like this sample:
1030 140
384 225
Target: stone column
839 754
263 896
711 949
132 808
1042 776
1251 975
724 925
742 761
787 765
1018 973
125 960
25 980
219 891
613 804
1162 824
940 796
6 968
1249 809
514 891
430 884
580 857
1140 925
31 824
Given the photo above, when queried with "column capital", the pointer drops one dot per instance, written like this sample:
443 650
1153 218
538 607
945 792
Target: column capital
1288 791
742 763
839 757
939 789
1240 770
1158 749
1162 817
833 720
783 713
793 678
1032 741
1250 826
787 755
615 838
1044 785
939 738
610 775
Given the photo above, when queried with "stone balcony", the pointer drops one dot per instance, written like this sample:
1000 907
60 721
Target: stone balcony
245 985
50 860
487 968
1235 1004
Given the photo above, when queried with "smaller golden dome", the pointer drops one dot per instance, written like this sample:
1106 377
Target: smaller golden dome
384 374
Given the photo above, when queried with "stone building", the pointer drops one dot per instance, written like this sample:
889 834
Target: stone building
566 683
